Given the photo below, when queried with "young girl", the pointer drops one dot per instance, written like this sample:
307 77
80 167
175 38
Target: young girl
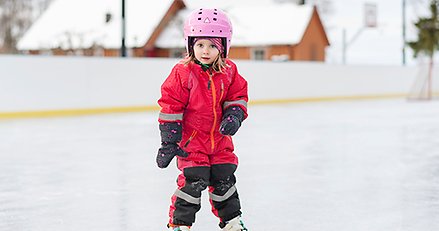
203 103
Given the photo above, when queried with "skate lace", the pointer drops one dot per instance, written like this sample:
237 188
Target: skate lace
236 227
178 228
243 226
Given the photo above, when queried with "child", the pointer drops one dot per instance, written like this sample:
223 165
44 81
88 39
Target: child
203 103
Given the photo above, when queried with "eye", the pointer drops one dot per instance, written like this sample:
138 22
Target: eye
212 46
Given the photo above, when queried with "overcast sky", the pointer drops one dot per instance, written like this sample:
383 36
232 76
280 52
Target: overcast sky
380 45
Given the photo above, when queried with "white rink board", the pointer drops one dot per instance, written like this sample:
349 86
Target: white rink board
37 83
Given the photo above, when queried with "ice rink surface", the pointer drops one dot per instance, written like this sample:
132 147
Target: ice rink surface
335 166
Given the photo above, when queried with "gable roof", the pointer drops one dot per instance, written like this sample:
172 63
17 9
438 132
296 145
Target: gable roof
81 23
264 23
225 4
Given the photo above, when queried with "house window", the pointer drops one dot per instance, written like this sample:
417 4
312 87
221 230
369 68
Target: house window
258 54
99 51
176 53
46 52
78 52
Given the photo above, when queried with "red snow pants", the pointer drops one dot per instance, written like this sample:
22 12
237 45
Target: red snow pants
198 172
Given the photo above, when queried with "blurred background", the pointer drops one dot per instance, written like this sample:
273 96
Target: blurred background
341 134
358 31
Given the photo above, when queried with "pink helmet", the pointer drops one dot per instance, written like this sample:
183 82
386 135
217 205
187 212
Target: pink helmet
208 23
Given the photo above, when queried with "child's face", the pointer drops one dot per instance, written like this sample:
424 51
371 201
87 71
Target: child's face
205 51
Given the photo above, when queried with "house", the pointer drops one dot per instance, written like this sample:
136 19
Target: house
92 27
263 30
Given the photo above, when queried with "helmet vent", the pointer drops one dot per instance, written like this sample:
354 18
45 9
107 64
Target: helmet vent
199 19
214 19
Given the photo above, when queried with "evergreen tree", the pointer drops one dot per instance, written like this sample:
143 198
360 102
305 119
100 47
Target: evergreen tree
428 40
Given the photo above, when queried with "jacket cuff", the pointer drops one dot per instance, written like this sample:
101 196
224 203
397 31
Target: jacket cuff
170 132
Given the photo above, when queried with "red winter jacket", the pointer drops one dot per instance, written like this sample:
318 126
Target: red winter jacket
197 98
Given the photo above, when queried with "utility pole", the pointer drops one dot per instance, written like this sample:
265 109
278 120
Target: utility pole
346 43
403 32
123 50
370 21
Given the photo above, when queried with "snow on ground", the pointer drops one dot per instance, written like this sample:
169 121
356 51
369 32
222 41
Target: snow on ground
342 166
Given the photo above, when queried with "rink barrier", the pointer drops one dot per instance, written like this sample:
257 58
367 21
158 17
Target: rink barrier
329 98
75 112
111 110
45 86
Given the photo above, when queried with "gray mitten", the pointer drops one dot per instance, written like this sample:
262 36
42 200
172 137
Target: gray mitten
232 118
171 135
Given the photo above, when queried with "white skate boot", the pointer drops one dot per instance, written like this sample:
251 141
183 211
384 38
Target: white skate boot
235 225
179 228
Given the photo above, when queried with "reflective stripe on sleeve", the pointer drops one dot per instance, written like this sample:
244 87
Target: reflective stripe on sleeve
226 196
239 102
170 117
193 200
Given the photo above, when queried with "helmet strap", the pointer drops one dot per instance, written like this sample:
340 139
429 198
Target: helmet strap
205 67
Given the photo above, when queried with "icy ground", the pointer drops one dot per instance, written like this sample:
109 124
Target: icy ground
338 166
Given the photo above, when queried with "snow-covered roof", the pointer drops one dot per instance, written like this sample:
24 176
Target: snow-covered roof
255 23
226 4
81 23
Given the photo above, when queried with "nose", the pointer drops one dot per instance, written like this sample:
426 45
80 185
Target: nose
206 50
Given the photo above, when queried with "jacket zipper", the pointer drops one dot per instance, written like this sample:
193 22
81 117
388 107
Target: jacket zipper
194 133
212 131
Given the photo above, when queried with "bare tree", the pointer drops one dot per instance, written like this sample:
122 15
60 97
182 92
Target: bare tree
16 16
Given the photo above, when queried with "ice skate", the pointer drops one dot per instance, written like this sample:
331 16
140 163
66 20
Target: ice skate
179 228
234 225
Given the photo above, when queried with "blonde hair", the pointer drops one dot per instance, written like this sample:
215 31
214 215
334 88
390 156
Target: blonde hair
218 65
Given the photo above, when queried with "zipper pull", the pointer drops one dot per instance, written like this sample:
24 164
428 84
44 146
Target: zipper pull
208 85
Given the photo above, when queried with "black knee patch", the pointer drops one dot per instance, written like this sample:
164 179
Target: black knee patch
197 180
197 185
223 185
222 177
223 180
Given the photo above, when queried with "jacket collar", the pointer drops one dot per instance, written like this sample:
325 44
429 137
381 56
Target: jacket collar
203 66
